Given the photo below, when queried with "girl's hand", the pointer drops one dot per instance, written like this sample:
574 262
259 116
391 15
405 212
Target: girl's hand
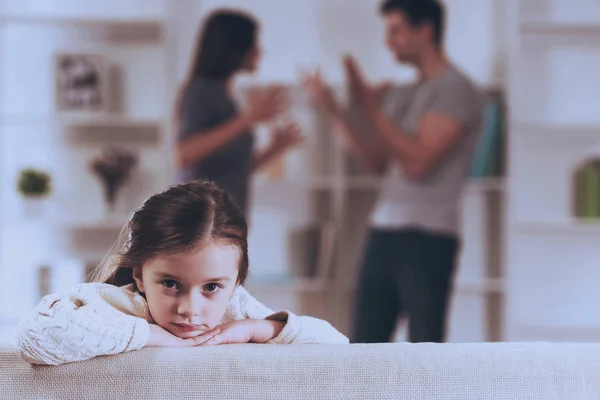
244 331
160 337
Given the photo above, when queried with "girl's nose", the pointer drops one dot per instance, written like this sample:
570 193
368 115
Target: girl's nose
192 304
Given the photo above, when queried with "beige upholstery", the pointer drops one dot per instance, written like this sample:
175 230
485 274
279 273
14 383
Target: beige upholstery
384 371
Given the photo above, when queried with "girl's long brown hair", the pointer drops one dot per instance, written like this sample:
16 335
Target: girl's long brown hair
182 218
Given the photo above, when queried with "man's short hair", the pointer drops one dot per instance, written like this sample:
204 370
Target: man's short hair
419 12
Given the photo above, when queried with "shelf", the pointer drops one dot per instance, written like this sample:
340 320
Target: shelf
562 227
305 183
138 23
533 26
568 131
476 184
114 30
495 184
560 333
110 121
366 182
84 120
490 285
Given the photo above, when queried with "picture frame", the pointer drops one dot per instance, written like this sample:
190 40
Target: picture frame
81 82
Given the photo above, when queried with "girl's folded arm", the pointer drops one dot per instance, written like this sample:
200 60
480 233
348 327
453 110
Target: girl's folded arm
67 327
297 329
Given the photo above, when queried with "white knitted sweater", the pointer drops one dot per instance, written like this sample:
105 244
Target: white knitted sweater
96 319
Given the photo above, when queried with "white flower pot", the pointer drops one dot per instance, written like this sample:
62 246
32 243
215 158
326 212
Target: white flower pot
33 207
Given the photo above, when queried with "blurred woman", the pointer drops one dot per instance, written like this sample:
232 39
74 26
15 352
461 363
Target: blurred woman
215 139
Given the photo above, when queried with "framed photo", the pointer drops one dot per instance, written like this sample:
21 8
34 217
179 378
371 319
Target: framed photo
81 82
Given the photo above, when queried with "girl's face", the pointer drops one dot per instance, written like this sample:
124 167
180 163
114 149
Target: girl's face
188 293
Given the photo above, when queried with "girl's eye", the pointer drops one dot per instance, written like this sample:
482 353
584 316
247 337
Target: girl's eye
170 284
212 287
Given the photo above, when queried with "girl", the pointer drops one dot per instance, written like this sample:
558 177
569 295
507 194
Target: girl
177 281
215 140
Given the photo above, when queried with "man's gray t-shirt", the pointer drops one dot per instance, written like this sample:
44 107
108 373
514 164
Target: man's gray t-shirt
206 105
433 203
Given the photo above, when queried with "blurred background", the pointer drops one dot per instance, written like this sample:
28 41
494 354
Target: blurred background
530 262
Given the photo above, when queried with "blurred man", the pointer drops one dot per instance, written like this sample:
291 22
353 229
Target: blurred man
425 135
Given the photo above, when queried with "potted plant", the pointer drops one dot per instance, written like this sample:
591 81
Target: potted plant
34 185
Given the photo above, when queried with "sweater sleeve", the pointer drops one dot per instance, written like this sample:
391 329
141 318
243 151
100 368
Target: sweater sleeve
75 326
297 329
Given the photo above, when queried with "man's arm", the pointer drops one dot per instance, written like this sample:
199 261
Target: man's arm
371 155
437 134
438 131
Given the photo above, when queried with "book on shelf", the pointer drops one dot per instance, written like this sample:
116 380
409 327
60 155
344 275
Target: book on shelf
325 251
586 191
488 160
314 250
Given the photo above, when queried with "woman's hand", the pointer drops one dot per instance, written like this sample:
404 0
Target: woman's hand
265 105
320 92
160 337
244 331
285 136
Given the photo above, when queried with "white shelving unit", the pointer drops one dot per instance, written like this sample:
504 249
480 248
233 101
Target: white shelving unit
553 89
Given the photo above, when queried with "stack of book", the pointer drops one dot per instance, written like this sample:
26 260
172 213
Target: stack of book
489 160
314 251
586 191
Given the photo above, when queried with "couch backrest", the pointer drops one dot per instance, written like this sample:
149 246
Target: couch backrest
378 371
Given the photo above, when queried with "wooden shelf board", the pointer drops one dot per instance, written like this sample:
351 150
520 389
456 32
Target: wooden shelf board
567 130
490 184
310 183
487 184
535 26
560 333
490 285
83 20
486 286
82 120
561 227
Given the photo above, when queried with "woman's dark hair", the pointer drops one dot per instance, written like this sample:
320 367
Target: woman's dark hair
224 41
183 218
222 45
419 12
